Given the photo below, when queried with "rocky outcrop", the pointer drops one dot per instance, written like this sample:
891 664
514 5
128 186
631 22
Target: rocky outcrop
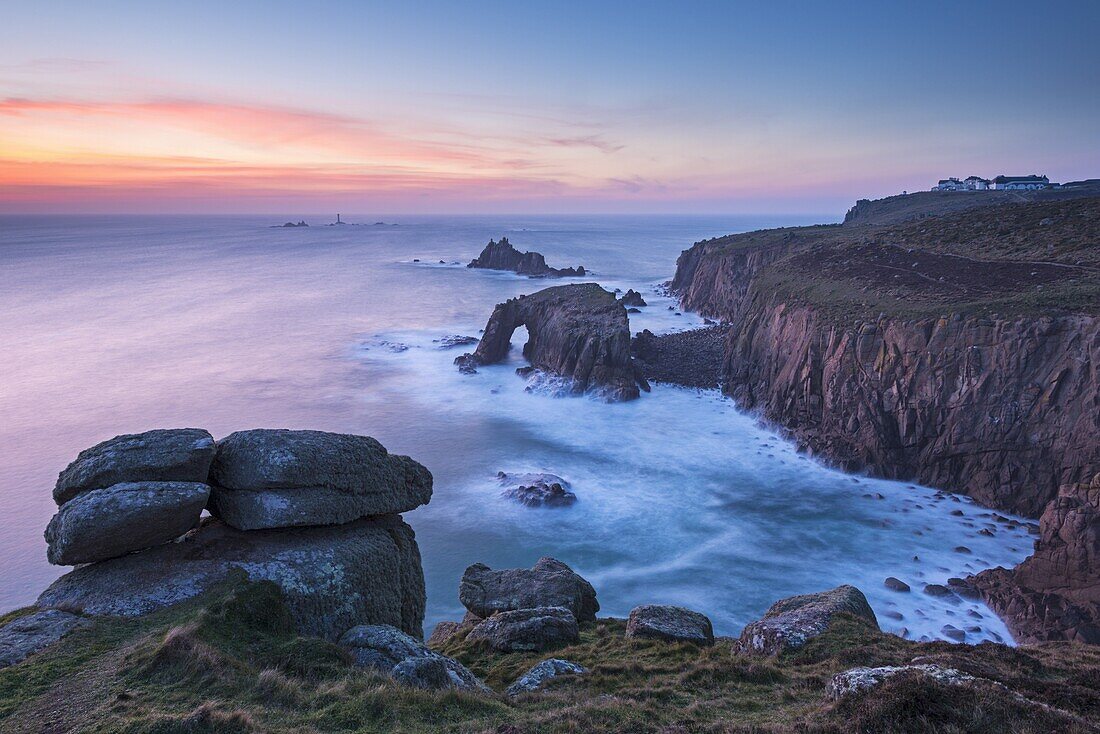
162 455
333 577
389 650
633 298
104 523
539 675
669 623
269 478
342 570
527 630
549 583
502 256
1054 594
26 635
577 332
790 623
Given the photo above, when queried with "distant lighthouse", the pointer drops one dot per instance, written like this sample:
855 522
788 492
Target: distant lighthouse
338 219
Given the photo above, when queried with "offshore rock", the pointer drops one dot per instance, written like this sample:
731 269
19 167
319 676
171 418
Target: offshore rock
579 332
502 256
549 583
269 478
162 455
632 298
333 577
790 623
527 630
537 489
104 523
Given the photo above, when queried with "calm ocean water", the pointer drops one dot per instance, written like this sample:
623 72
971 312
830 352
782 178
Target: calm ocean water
117 325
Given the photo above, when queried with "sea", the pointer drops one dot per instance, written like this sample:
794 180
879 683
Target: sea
125 323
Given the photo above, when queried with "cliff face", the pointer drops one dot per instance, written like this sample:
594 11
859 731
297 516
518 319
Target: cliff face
579 332
1055 594
1004 410
902 352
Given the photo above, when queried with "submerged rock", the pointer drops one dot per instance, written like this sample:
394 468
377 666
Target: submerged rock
26 635
408 660
332 577
537 676
527 630
673 624
270 478
577 332
792 622
896 584
455 340
537 490
162 455
502 256
549 583
104 523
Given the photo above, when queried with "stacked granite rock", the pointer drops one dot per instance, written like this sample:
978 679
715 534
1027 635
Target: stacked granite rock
314 512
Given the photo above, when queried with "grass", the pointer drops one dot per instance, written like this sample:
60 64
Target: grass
1011 260
230 662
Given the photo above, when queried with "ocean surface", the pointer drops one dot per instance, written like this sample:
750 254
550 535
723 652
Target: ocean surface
121 324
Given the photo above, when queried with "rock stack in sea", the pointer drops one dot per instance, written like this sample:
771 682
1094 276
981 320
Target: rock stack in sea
317 513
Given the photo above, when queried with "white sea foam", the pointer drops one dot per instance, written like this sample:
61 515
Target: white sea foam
683 499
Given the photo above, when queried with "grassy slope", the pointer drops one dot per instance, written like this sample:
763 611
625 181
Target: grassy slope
1015 259
228 662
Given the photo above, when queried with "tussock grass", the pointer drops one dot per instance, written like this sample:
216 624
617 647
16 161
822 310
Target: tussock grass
230 662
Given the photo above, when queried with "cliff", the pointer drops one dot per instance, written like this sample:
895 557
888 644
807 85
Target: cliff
960 351
579 332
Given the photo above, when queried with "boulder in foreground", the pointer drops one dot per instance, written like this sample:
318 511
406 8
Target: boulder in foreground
105 523
858 680
549 583
669 623
790 623
162 455
391 651
25 636
332 577
537 676
527 630
269 478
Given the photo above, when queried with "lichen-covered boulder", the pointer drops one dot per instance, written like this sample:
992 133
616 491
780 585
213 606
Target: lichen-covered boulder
858 680
791 622
538 675
24 636
527 630
105 523
549 583
162 455
270 478
673 624
332 577
408 660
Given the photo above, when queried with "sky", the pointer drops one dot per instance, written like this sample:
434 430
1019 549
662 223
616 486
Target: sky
534 107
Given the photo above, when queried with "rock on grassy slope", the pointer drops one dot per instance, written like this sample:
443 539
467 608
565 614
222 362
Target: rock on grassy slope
230 661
